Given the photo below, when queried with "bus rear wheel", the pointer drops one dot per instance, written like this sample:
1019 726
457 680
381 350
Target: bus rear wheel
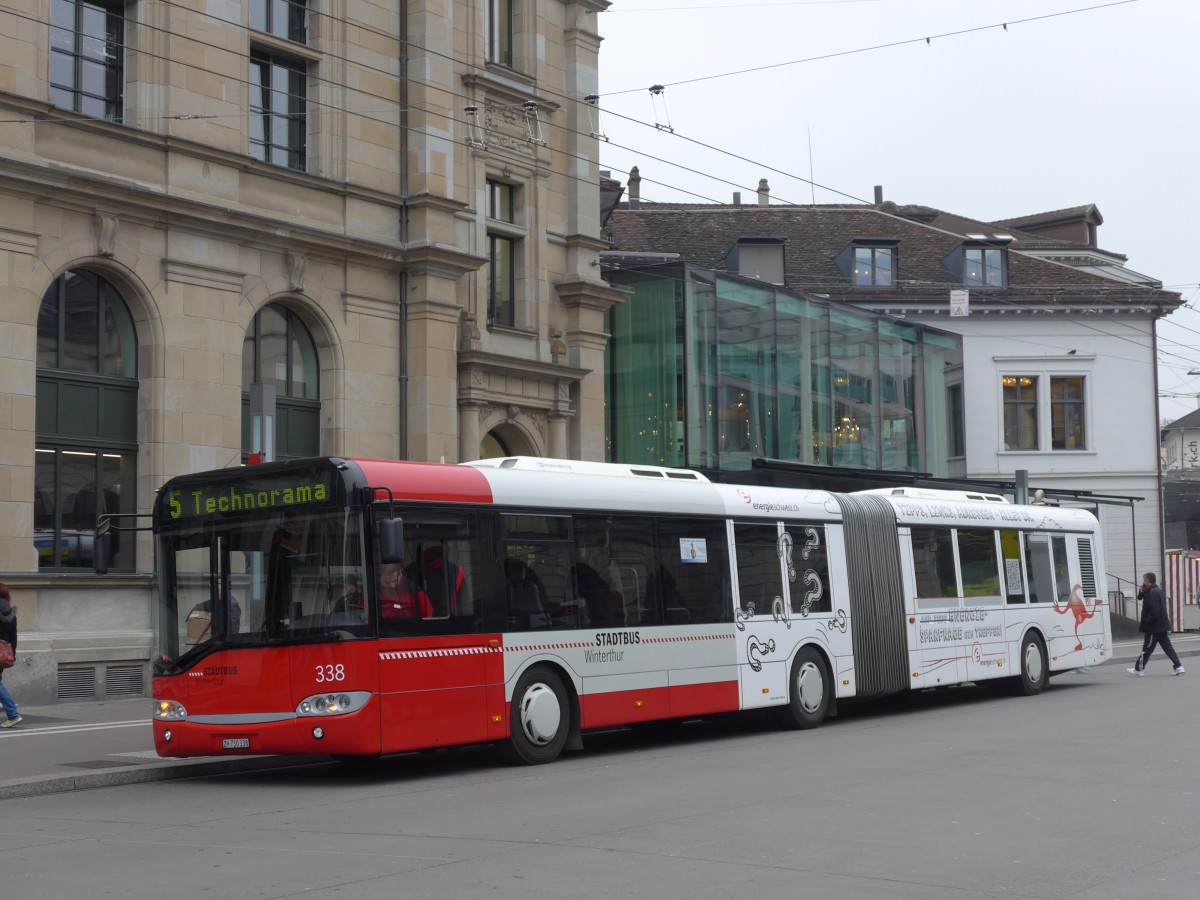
1035 672
809 691
539 718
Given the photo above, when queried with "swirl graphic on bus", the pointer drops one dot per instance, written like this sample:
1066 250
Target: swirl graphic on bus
814 592
785 553
756 649
812 543
780 611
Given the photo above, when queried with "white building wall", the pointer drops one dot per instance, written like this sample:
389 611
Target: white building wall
1114 354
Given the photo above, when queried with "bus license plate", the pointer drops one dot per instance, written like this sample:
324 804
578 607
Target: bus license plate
235 744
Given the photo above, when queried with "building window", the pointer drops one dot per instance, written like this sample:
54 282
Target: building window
1020 412
1067 414
278 109
504 242
500 31
500 202
874 267
279 350
983 267
87 55
286 19
869 261
87 390
956 419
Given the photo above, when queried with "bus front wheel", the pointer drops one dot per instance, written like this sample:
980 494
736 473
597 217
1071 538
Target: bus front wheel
809 691
539 718
1034 670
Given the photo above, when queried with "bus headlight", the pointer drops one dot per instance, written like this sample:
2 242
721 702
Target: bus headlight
169 711
332 704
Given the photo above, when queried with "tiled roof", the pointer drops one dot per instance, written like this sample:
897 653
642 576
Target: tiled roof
704 233
1191 420
1088 210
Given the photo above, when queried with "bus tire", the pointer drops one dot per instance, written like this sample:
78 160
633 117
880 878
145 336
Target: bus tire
1035 671
809 690
539 719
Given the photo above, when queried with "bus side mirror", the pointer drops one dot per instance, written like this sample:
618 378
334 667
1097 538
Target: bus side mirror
391 541
101 548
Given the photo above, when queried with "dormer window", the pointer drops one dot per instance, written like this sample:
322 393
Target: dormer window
869 262
983 266
757 256
980 261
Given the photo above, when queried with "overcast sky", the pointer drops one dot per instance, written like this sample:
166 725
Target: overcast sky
1096 105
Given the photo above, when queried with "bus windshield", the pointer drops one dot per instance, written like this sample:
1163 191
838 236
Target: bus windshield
258 578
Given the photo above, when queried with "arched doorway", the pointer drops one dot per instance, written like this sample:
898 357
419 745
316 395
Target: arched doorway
505 440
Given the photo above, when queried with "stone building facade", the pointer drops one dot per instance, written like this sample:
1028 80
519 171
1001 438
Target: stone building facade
388 211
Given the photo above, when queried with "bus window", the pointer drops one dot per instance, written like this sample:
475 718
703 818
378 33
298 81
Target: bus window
760 581
537 555
693 573
1062 575
437 590
620 551
977 558
1010 552
933 560
1039 567
808 572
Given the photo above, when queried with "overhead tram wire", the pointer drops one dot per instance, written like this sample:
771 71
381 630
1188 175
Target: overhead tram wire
447 111
474 66
477 67
800 178
77 119
570 99
694 8
918 40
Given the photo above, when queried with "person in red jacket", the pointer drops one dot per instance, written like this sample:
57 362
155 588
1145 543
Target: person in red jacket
439 580
397 598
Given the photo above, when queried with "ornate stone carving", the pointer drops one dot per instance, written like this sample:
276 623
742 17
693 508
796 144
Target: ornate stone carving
106 233
469 338
504 126
297 262
558 346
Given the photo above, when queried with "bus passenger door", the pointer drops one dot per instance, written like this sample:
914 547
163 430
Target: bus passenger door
433 652
763 613
934 624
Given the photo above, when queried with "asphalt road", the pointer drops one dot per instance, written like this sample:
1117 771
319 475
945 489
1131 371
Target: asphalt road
76 746
1088 791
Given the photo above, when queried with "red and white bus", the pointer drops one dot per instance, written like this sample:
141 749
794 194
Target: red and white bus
364 607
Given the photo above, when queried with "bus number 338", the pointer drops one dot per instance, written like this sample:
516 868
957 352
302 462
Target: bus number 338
330 673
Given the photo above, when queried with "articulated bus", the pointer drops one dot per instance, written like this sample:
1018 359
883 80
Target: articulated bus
355 607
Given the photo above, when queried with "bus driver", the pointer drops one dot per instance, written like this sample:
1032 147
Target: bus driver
397 598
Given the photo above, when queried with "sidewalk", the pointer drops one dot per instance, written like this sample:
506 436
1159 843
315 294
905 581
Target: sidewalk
76 746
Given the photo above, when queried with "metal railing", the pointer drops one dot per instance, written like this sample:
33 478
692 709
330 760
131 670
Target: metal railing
1124 602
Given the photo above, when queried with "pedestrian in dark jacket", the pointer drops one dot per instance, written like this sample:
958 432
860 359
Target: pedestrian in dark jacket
8 632
1156 625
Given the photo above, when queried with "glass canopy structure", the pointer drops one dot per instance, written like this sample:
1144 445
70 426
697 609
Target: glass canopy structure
709 371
